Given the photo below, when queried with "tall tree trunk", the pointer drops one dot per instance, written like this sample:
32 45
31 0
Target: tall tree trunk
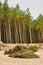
8 31
30 33
41 33
39 36
16 32
19 32
24 32
0 30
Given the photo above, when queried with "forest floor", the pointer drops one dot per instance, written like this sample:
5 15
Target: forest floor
5 60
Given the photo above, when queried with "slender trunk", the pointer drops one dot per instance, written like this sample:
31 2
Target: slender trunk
30 33
9 30
16 33
0 30
19 32
6 32
41 34
25 36
24 33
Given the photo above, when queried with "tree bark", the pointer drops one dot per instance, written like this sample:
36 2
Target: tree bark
30 33
16 33
19 32
0 30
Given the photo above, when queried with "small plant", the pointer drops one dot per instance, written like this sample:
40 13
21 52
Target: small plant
16 49
34 48
21 51
25 54
19 48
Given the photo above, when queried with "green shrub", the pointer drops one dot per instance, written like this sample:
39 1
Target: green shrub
16 49
22 52
34 48
25 54
19 48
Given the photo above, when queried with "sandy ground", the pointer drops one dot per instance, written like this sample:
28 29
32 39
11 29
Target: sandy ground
5 60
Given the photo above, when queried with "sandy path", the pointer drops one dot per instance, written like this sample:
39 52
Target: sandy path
5 60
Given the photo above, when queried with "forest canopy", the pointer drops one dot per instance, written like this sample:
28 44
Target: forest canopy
18 26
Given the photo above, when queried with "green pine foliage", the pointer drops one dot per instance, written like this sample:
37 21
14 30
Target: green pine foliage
18 26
